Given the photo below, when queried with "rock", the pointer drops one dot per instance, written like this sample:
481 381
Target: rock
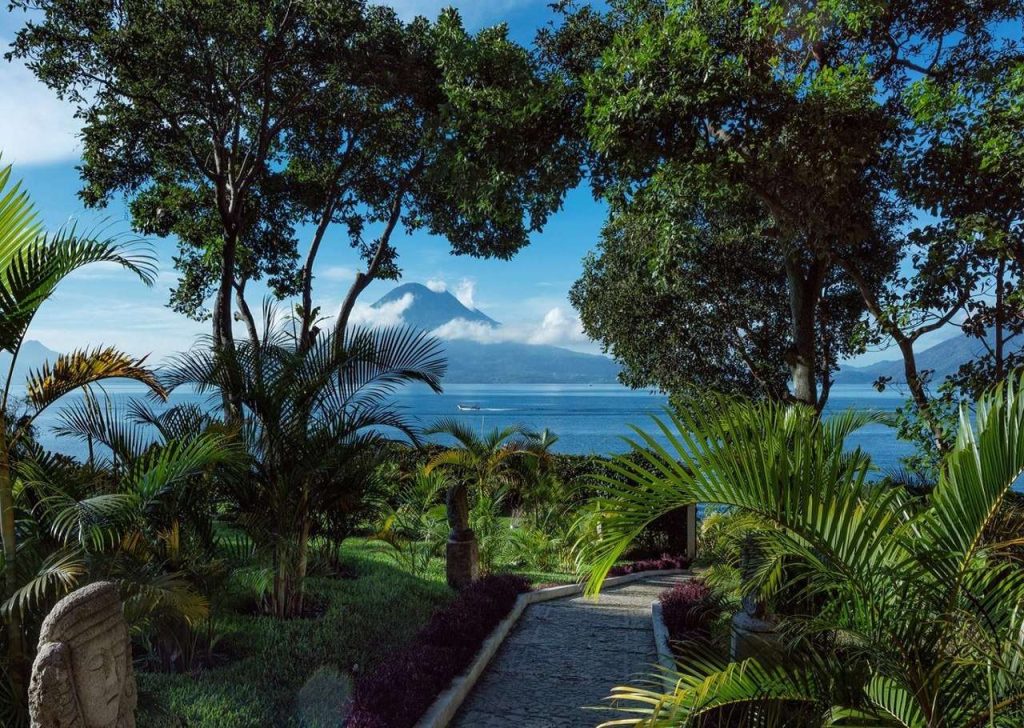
82 676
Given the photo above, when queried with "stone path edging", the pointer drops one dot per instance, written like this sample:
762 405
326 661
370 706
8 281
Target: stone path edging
447 704
666 658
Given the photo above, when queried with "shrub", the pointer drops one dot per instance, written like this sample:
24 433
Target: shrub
689 610
665 562
401 689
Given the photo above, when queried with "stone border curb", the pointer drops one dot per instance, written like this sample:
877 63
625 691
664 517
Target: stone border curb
447 704
666 660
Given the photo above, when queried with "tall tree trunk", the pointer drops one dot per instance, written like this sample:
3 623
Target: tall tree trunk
383 247
307 333
222 334
17 666
804 292
246 313
223 337
905 343
1000 329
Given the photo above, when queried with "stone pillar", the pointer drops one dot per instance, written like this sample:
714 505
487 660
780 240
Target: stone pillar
462 555
691 531
753 629
753 637
463 561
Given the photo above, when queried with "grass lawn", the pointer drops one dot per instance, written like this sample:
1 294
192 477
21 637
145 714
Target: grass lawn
280 670
287 673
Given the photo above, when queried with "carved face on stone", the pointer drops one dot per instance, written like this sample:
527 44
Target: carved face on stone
99 666
82 676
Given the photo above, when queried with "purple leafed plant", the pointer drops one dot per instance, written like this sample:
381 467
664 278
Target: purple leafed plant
664 563
404 685
688 610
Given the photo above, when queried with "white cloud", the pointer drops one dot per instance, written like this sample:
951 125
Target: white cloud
388 314
437 285
338 273
35 126
557 328
465 291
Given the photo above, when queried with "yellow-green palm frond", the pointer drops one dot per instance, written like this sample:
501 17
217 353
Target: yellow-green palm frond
162 470
752 693
986 461
771 459
81 368
166 593
451 458
32 270
19 224
58 574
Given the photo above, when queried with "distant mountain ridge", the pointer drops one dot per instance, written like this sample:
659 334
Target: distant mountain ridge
506 362
942 359
31 357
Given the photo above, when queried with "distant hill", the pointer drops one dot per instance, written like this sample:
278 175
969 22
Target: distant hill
32 356
472 362
431 309
944 359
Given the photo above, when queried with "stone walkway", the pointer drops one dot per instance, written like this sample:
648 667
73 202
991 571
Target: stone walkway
565 654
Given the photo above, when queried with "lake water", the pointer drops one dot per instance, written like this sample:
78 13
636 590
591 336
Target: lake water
587 418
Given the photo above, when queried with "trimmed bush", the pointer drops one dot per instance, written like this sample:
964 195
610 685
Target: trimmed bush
664 563
401 689
689 609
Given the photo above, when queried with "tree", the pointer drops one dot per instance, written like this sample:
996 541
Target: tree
32 265
185 106
482 463
462 137
914 604
231 124
964 172
313 420
691 296
802 108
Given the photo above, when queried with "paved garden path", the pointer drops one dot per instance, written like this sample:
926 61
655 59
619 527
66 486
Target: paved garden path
566 654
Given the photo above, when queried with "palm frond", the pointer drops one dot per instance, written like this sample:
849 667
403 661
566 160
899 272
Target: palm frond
56 576
82 368
32 270
19 224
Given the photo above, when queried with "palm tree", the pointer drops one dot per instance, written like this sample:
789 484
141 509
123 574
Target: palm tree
918 617
129 516
483 462
32 265
313 418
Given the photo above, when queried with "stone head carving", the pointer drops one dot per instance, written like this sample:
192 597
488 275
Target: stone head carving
82 675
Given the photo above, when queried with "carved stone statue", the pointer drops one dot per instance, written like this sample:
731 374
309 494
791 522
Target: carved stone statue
457 501
462 555
82 675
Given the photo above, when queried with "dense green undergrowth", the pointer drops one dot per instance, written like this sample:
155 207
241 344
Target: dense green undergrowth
295 672
279 672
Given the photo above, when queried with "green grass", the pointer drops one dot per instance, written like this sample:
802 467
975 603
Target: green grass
282 668
285 673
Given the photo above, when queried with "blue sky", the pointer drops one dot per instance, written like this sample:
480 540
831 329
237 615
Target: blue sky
104 305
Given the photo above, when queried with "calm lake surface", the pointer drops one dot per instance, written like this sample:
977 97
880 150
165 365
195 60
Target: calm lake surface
587 418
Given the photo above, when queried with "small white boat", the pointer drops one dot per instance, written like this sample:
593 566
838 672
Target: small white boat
468 407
